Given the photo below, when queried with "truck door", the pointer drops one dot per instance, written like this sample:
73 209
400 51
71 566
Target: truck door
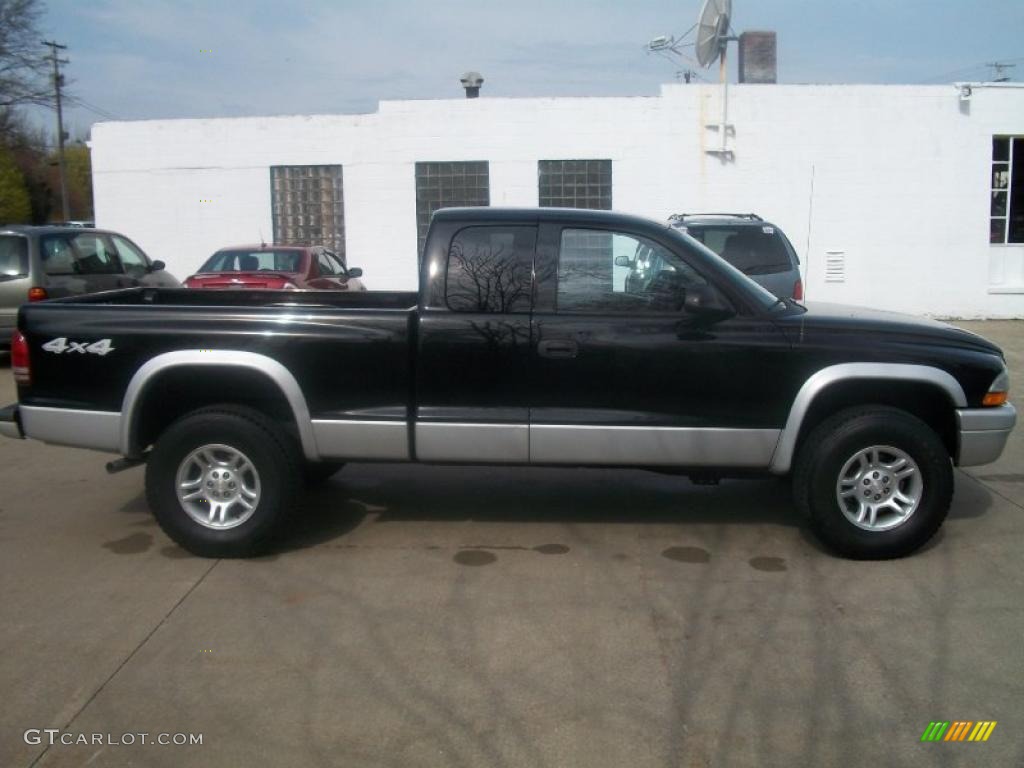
472 378
621 375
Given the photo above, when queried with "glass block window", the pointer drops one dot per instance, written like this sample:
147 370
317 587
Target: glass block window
308 205
448 185
1006 216
575 184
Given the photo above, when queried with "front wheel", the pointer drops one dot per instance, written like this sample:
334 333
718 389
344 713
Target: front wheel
221 481
875 482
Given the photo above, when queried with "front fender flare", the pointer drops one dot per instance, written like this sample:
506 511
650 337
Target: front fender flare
782 459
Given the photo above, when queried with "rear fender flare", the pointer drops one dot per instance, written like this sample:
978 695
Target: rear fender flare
259 364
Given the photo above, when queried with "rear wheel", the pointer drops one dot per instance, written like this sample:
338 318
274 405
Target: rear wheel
874 482
221 481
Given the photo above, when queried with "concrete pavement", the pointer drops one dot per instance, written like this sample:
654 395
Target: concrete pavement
428 616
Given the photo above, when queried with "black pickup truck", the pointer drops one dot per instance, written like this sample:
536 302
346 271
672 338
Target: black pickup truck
526 344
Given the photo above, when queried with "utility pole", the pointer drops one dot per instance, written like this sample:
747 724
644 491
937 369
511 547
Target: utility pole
58 81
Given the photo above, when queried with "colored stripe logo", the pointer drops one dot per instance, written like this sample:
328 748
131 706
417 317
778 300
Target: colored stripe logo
958 730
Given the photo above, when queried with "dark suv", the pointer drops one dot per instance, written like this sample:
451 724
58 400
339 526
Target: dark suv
757 248
49 262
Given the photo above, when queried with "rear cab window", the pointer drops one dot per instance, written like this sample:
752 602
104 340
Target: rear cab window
490 269
13 257
754 249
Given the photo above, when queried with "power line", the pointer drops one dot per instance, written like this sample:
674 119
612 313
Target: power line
78 101
971 68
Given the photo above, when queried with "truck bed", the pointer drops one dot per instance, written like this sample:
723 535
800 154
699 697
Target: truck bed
341 347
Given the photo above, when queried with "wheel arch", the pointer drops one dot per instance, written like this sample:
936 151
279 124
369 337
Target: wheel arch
265 374
897 384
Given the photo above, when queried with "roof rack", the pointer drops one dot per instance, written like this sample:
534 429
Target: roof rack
684 216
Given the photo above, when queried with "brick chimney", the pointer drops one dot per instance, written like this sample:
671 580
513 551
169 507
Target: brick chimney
757 58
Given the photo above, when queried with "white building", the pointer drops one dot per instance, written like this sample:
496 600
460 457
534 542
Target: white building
886 191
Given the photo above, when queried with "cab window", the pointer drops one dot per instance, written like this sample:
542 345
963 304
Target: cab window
604 271
490 269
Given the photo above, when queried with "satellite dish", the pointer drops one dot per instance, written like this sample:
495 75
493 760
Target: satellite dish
712 30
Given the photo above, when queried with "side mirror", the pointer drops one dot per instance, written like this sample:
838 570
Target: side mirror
355 272
157 265
622 261
704 302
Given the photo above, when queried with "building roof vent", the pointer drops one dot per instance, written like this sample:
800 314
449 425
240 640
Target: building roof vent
472 81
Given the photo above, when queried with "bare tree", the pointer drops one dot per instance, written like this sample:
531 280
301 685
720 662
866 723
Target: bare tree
22 63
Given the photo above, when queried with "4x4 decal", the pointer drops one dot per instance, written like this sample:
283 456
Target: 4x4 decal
61 345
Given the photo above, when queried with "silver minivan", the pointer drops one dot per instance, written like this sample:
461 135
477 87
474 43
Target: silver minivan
49 262
756 247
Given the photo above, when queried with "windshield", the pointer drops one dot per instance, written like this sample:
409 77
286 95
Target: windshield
752 249
254 261
13 256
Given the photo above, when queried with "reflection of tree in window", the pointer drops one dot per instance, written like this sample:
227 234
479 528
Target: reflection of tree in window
490 270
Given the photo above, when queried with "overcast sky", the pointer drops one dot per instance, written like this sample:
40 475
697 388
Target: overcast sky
135 59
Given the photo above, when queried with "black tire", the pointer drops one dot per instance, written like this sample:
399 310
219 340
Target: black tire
821 460
273 456
319 472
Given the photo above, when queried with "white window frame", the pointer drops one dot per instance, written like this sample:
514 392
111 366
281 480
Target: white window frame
1008 189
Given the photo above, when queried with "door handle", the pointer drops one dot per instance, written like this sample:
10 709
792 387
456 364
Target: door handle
558 349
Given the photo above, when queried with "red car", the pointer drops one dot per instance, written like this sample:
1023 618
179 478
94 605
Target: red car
277 267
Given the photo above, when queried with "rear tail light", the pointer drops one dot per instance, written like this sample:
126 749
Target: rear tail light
20 366
37 294
798 290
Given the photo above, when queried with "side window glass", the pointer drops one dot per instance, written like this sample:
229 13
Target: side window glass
601 271
490 269
13 256
327 268
93 255
132 259
338 263
58 256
